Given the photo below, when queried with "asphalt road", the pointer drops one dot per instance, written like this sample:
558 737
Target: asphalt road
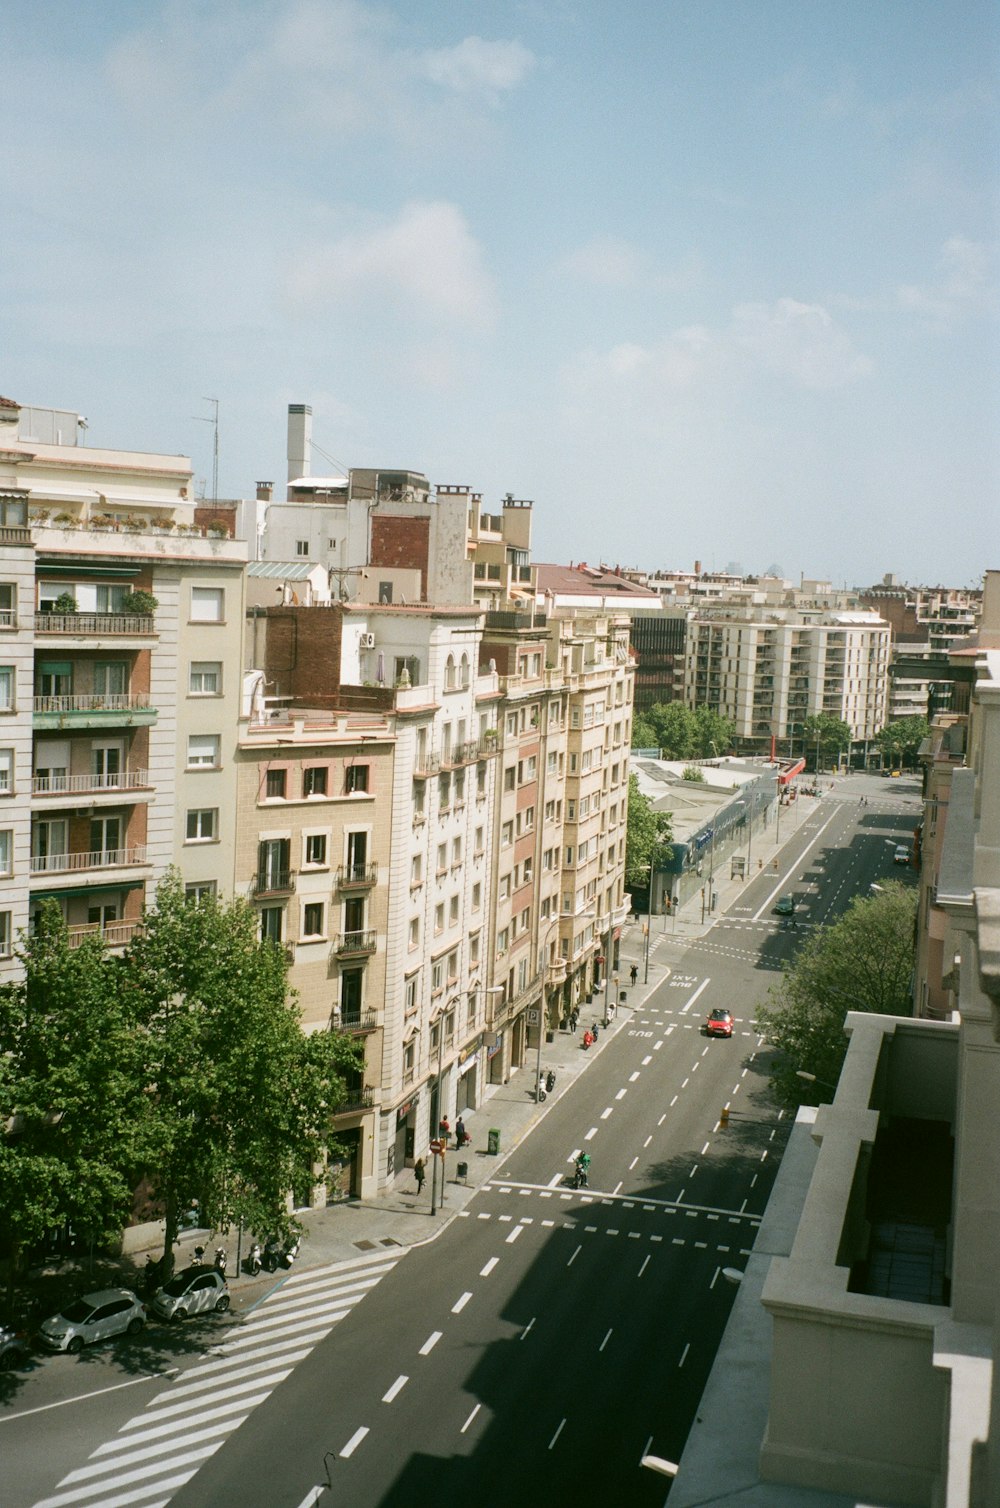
549 1338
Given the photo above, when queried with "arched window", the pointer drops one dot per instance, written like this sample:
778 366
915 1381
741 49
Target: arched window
449 673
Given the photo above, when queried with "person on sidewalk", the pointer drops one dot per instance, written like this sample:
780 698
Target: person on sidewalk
419 1173
461 1135
574 1019
444 1129
634 974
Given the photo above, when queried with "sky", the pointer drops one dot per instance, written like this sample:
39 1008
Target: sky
707 280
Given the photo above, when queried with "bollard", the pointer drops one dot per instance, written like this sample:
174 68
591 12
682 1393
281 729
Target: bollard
724 1116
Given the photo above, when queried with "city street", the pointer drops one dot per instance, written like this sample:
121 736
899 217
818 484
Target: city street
548 1338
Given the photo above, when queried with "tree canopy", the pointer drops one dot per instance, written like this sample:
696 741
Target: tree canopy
647 840
900 739
680 732
181 1063
828 735
864 962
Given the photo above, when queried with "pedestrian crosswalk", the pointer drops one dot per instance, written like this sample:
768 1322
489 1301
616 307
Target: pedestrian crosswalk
155 1453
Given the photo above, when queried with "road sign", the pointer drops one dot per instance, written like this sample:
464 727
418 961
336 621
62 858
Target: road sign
534 1016
437 1146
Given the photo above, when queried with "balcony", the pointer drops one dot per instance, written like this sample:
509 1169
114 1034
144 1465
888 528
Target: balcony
72 863
93 710
426 765
355 1099
270 882
90 785
113 934
354 944
127 625
356 876
358 1022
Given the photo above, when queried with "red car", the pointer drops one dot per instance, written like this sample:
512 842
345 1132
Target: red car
719 1024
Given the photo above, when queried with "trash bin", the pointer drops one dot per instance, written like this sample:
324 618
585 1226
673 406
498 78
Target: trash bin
623 997
493 1141
463 1171
550 1036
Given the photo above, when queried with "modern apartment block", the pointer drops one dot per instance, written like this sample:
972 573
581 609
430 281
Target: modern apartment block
769 671
121 713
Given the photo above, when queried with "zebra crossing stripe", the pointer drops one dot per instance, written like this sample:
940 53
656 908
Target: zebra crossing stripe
160 1449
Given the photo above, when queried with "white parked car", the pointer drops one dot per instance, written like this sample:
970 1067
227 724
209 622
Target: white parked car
193 1290
902 854
95 1316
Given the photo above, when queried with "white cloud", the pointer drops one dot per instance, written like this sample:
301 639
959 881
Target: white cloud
475 66
800 341
426 263
607 262
964 284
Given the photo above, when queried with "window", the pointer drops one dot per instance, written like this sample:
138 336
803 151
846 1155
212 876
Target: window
6 935
410 994
480 840
453 910
110 678
417 869
275 783
456 852
409 1054
8 604
272 923
503 940
442 858
413 939
411 665
314 780
205 678
480 782
477 897
439 917
313 918
453 972
203 825
200 890
509 777
6 851
356 777
437 977
110 598
444 792
273 863
459 787
316 850
418 800
54 678
351 995
506 835
302 547
203 751
474 945
6 688
207 604
504 890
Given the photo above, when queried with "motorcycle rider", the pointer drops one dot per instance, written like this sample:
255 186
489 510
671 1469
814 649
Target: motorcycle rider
582 1170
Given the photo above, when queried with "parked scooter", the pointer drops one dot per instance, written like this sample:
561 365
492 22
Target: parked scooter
272 1253
291 1250
540 1089
252 1263
550 1080
221 1260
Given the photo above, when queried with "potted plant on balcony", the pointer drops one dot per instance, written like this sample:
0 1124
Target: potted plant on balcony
64 603
102 521
140 604
65 521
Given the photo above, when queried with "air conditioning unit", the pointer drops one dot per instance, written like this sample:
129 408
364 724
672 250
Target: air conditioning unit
367 641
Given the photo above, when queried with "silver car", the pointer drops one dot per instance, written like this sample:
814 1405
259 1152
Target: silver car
193 1290
95 1316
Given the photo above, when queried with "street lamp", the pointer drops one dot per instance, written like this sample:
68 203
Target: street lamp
810 1078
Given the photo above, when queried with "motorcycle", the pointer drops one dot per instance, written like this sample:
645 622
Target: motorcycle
221 1261
550 1081
272 1253
540 1090
291 1250
252 1263
580 1177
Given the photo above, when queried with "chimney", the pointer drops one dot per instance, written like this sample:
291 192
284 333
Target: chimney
265 491
697 568
299 439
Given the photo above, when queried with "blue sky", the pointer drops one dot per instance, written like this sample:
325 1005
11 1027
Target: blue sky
706 279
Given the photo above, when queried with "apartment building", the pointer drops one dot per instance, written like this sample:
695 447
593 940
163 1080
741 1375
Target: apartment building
768 672
124 632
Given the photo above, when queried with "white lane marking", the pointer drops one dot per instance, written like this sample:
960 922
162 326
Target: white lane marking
684 1354
514 1235
642 1269
658 1045
607 1112
484 1272
43 1408
646 1062
145 1453
472 1416
430 1343
621 1094
616 1189
753 1180
127 1478
693 1171
680 1196
633 1076
703 986
604 1341
784 878
591 1134
673 1102
647 1141
554 1182
763 1155
632 1163
526 1328
168 1486
354 1442
705 1148
684 1085
579 1249
313 1496
396 1388
139 1424
715 1277
460 1304
558 1432
222 1376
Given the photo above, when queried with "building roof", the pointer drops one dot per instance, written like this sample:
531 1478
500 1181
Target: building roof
587 581
282 570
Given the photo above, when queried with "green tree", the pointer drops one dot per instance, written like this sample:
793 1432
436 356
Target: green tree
238 1098
694 773
713 733
644 734
900 740
864 962
825 737
68 1075
647 839
674 724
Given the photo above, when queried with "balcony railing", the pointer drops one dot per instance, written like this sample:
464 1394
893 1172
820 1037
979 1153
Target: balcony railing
349 876
114 934
358 1021
108 858
94 623
93 701
355 1099
273 882
61 785
354 943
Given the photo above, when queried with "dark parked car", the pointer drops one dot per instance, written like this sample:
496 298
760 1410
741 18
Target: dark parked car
786 906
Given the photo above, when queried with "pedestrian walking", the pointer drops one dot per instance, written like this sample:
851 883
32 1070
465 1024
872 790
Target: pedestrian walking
574 1018
419 1173
634 974
461 1135
444 1129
